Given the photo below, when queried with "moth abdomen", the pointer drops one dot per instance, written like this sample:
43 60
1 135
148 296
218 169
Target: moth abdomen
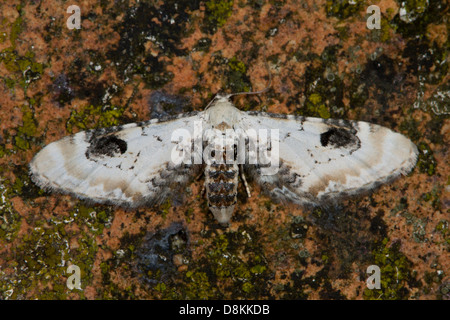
222 187
222 200
221 183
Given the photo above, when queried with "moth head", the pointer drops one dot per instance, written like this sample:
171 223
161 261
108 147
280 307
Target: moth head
219 98
222 110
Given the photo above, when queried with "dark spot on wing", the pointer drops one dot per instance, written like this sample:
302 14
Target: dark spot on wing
339 138
288 177
106 146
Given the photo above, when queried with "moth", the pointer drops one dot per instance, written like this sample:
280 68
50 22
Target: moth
296 159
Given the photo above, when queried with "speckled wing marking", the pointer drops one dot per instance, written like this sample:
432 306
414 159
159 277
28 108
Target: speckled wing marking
127 165
326 159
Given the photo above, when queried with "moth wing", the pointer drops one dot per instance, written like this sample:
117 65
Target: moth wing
127 165
324 159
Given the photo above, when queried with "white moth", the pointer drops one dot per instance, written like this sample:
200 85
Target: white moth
293 158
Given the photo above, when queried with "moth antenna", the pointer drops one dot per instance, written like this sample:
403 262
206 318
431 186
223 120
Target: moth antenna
212 100
228 96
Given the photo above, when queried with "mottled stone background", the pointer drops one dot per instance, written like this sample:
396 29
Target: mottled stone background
134 60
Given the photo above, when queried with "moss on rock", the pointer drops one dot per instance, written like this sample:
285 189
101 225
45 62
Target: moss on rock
395 270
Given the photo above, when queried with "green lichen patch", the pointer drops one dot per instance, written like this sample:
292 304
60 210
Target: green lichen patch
384 34
323 89
91 117
233 267
315 106
23 69
426 163
3 150
397 278
442 227
16 26
198 286
216 14
237 79
39 261
10 219
233 72
415 15
164 208
94 218
41 257
412 9
343 9
27 130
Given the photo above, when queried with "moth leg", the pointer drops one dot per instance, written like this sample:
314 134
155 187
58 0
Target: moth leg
247 189
197 178
203 191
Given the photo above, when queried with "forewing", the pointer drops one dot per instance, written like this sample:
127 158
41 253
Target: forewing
127 165
323 159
